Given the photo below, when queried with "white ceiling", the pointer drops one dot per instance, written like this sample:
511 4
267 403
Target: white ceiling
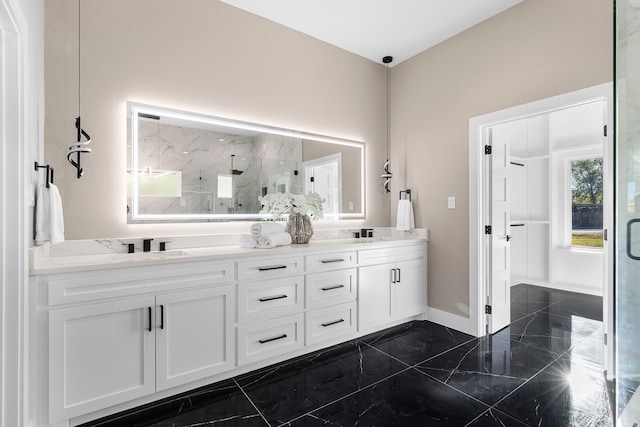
377 28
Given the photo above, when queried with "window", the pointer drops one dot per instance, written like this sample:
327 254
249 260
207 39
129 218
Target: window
586 202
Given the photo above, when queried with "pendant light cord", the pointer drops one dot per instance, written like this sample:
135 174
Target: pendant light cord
79 49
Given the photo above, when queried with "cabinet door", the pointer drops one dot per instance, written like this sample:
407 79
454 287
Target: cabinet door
195 335
374 296
409 289
100 355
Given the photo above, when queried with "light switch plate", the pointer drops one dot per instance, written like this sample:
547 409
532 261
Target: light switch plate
451 202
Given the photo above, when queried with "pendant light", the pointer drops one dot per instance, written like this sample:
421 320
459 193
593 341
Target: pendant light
80 146
387 175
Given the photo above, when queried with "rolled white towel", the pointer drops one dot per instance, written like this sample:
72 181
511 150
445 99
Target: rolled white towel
272 240
260 228
247 241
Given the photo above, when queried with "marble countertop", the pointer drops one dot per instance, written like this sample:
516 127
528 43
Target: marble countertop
88 255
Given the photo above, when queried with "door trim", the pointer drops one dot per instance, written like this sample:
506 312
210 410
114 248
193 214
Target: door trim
477 203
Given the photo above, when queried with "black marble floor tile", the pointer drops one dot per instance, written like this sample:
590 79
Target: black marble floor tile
577 305
487 368
548 331
407 399
493 417
288 391
527 299
416 342
561 395
221 404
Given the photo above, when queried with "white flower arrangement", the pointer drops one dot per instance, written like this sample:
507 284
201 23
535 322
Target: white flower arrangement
279 204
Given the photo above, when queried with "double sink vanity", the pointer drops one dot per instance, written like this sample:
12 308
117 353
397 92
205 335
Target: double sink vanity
113 330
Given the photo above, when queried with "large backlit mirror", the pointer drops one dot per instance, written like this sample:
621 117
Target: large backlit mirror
191 167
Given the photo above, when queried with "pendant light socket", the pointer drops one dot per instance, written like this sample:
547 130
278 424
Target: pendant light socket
387 59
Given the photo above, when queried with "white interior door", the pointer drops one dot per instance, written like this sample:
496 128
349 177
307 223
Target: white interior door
499 289
323 176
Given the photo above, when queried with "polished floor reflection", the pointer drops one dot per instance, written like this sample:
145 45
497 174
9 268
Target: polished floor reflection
544 369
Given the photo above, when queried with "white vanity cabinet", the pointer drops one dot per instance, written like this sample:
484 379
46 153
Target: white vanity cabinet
391 285
270 306
194 335
102 353
109 339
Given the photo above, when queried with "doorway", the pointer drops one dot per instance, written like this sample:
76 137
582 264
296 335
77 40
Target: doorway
324 176
520 193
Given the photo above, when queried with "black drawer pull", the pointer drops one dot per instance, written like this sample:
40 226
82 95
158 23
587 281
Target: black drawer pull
272 339
149 310
272 298
328 261
332 323
272 267
328 288
161 316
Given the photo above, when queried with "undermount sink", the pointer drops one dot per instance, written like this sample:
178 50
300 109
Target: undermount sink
147 255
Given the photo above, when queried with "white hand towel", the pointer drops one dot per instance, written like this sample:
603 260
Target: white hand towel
260 228
42 215
405 219
272 240
56 218
247 241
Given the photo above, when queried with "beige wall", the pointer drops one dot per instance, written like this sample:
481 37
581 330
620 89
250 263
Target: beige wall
202 56
532 51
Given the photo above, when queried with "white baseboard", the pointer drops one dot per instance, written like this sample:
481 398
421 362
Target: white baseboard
452 321
562 286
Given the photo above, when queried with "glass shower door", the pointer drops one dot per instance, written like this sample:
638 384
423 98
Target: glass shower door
627 255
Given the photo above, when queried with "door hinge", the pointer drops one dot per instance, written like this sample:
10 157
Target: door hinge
487 229
605 339
605 235
487 309
487 149
605 130
311 179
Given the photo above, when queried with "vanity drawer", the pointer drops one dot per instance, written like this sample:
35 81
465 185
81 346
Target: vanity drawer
392 254
259 269
115 283
270 298
330 322
262 340
330 288
331 261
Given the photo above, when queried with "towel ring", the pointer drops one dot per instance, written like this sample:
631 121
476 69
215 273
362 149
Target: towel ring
408 192
49 178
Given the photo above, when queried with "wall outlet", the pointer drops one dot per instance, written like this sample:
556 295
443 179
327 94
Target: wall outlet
451 202
351 206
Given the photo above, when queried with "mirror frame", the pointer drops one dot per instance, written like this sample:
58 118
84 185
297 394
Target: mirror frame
134 109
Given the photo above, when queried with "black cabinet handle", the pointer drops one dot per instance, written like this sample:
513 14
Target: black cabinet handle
272 339
272 267
332 323
150 320
393 275
398 281
328 288
272 298
629 254
328 261
161 316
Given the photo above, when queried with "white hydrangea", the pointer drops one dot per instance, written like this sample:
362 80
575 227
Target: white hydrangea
279 204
